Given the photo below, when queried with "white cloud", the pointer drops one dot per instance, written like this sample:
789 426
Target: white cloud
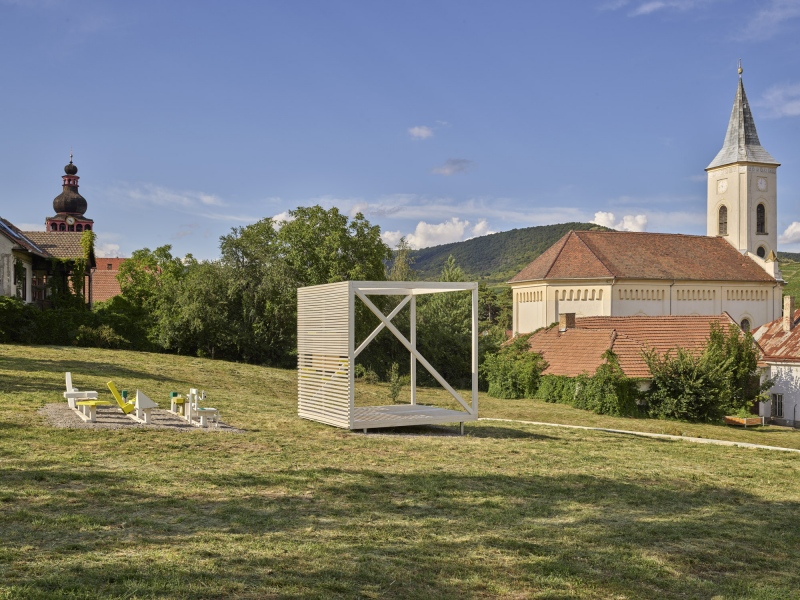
106 250
627 223
420 132
281 218
770 19
453 166
435 234
391 238
481 228
781 100
791 235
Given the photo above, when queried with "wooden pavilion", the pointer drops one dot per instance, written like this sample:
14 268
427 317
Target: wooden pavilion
327 353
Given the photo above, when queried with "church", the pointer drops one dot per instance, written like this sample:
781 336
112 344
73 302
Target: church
733 268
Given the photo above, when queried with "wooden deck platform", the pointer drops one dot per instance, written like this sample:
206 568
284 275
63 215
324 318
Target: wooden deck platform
401 415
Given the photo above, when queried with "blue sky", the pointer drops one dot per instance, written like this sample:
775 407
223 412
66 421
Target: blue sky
438 120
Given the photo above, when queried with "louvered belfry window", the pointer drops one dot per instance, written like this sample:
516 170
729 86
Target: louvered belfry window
723 220
761 219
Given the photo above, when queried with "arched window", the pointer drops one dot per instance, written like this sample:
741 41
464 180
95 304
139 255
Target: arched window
78 227
62 227
87 227
762 252
53 226
761 219
723 220
745 324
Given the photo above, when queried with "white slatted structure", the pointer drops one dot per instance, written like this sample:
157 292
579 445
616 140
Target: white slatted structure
326 355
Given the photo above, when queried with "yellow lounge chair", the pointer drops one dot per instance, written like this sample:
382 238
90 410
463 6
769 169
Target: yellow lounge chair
126 407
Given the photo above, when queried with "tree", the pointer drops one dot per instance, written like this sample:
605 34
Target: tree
401 266
721 380
266 262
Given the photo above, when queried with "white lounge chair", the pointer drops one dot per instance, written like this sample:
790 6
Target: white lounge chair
143 407
204 414
85 403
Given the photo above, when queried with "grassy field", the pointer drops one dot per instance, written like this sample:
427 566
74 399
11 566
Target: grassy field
294 509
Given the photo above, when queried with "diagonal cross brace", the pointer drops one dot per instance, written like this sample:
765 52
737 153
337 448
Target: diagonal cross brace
381 325
385 321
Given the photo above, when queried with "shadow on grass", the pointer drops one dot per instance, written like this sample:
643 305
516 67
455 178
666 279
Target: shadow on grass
79 369
475 431
351 532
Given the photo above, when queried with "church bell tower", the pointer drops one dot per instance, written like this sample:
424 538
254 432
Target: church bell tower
742 191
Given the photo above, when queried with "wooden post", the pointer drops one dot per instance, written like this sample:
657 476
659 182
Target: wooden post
475 351
413 321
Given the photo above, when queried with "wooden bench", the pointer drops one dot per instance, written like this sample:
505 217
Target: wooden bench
87 409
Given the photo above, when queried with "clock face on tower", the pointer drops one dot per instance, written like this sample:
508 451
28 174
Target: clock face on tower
762 184
70 220
722 186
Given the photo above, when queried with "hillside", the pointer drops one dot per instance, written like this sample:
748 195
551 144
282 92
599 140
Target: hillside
497 257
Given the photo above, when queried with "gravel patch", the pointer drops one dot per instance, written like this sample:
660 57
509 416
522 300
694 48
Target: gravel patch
111 417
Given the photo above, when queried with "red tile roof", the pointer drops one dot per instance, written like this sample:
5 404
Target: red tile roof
635 255
580 350
777 344
104 279
59 244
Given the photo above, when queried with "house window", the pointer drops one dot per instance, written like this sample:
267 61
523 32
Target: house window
777 406
745 325
761 219
723 220
108 267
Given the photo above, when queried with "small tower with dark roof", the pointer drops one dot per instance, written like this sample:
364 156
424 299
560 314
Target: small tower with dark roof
742 189
69 205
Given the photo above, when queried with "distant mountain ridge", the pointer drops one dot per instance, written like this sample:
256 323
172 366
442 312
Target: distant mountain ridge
497 257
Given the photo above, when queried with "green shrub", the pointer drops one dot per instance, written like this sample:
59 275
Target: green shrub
17 320
101 336
607 392
514 371
721 380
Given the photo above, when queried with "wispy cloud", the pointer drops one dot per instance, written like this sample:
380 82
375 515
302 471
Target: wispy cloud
771 19
426 234
106 246
148 193
640 8
420 132
454 166
781 101
626 223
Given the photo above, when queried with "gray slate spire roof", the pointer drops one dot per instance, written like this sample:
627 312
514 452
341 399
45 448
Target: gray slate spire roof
741 140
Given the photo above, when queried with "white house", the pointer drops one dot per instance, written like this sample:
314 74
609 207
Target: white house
780 344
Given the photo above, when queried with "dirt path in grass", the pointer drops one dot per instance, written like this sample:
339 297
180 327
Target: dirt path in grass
662 436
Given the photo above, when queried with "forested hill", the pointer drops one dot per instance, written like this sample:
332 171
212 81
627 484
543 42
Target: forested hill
496 257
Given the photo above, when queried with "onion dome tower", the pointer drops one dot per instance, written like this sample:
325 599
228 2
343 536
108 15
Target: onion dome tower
69 205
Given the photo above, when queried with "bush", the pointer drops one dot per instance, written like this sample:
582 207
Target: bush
607 392
102 336
17 320
720 381
513 372
395 383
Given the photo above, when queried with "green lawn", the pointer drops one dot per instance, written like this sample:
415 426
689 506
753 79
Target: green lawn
294 509
790 272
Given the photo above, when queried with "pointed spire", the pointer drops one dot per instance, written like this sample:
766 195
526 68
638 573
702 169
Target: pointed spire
741 140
